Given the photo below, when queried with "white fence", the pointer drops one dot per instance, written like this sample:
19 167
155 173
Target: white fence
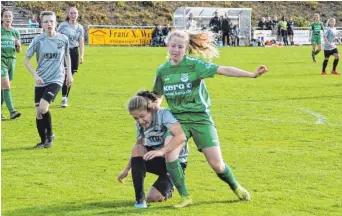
300 35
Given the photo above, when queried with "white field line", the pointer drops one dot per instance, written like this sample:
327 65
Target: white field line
320 119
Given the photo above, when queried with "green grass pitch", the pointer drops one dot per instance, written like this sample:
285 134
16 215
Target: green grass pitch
280 133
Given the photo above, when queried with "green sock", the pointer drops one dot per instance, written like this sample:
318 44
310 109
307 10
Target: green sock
175 170
2 97
228 177
317 51
8 100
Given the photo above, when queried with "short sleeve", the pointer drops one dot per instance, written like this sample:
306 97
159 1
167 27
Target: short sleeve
33 47
158 84
205 69
81 33
167 118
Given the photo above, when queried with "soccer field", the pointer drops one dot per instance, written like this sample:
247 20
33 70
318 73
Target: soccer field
280 133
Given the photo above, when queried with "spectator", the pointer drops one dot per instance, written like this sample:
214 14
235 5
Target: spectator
262 25
290 25
166 30
157 36
225 26
33 22
215 24
269 23
235 36
191 23
283 30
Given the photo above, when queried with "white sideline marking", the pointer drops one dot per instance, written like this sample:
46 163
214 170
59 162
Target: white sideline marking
320 119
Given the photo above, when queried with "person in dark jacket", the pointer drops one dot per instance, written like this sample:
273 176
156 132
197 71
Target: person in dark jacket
225 29
215 24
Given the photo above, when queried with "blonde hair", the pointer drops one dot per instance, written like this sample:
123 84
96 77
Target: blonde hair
318 16
327 23
46 13
199 43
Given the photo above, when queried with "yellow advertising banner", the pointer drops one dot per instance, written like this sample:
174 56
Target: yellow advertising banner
121 37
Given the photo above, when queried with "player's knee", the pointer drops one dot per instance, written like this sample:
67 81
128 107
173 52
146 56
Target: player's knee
5 84
218 167
42 109
155 198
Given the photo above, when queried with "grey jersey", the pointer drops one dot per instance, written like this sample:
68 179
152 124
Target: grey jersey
75 33
50 53
154 135
330 34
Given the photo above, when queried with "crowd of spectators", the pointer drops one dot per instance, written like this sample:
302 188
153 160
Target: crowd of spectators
159 35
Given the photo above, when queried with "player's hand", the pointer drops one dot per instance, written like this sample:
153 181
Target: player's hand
39 80
69 80
260 71
122 175
81 60
152 154
17 42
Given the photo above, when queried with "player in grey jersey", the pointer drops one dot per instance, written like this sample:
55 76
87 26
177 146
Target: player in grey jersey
330 47
148 153
51 50
75 33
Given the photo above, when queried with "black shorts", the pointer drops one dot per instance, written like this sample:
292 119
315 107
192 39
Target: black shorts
290 32
47 93
164 183
74 59
283 33
328 53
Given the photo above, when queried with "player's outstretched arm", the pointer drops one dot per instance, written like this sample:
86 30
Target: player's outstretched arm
236 72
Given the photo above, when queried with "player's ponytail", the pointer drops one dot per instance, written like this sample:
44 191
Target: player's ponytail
200 43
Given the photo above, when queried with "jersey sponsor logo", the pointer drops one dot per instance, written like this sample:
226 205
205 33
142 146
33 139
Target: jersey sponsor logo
155 139
184 77
176 87
51 55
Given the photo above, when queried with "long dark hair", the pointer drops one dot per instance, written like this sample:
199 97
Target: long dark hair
3 11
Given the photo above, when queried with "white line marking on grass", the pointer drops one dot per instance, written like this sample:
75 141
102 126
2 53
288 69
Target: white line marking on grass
320 119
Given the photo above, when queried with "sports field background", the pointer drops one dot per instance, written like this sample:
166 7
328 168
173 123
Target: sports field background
280 133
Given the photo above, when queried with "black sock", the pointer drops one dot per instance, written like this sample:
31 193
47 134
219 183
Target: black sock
138 176
41 129
335 64
325 63
47 122
64 88
317 51
68 91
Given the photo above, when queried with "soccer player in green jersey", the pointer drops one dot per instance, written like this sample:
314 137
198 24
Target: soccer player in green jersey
315 36
181 81
150 148
10 44
330 47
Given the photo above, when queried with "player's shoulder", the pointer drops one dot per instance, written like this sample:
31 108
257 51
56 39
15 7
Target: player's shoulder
62 37
163 66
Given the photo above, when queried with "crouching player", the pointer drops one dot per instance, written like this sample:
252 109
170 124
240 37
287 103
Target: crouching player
148 153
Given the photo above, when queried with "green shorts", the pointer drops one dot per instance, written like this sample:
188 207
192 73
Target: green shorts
7 67
316 39
200 127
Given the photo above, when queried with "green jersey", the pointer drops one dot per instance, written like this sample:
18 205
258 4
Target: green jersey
8 38
183 85
316 28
